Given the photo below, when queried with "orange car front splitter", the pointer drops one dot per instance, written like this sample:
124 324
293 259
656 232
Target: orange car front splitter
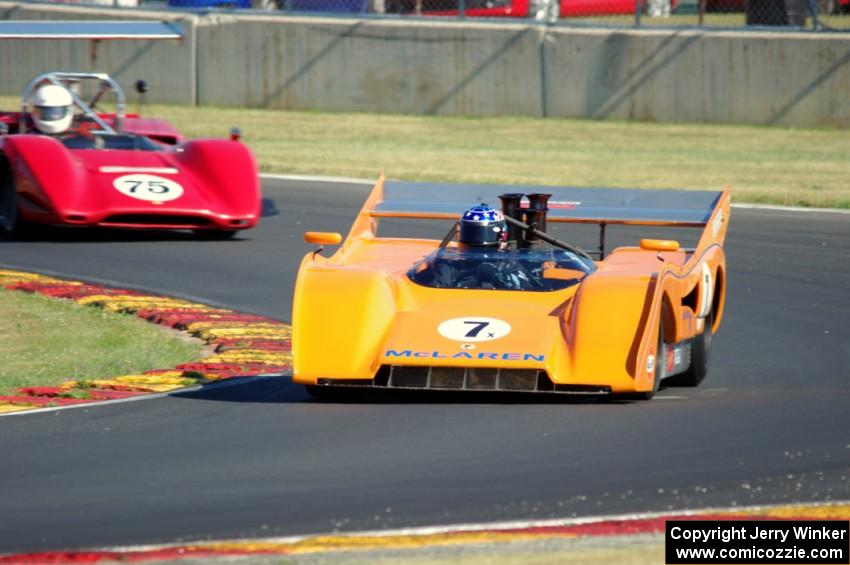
243 344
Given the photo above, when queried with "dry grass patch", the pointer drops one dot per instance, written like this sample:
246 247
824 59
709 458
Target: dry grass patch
642 555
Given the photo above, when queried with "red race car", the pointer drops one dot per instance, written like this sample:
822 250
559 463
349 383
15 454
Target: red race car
62 162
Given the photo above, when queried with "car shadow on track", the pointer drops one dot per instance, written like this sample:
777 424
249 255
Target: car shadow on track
59 234
82 234
248 390
283 390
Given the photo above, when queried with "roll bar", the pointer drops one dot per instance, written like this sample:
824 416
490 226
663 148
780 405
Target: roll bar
67 80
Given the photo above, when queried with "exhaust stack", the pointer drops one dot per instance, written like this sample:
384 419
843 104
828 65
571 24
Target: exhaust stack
512 208
535 216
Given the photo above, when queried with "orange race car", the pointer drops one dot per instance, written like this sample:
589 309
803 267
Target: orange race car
501 305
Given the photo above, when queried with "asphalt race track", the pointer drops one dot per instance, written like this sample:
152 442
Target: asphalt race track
769 425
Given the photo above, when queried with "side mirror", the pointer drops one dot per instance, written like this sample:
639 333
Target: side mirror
141 86
659 245
322 237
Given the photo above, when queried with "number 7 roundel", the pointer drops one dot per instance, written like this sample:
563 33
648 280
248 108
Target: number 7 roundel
474 328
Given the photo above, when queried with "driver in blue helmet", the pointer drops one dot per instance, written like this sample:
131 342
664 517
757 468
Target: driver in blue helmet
484 258
481 259
482 228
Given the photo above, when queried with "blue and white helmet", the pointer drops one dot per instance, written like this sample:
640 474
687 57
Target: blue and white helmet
482 226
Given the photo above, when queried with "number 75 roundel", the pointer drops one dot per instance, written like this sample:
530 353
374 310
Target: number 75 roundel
474 328
150 188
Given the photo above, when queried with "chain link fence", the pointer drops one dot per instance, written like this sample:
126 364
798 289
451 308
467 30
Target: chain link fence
793 15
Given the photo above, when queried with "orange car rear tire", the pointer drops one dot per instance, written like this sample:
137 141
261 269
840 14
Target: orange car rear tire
700 357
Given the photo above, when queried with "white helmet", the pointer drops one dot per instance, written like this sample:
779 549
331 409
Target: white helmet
51 108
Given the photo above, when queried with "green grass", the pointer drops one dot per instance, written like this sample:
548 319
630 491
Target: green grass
802 167
47 341
778 165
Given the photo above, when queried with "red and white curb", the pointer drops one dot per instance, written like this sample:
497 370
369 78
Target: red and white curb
243 344
458 534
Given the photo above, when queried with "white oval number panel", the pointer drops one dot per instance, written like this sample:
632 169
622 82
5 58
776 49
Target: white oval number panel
148 187
474 329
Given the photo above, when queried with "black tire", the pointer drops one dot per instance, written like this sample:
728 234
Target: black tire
700 357
8 214
8 206
215 235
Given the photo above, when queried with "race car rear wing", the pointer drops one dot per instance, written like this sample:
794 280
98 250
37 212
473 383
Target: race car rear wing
673 208
601 206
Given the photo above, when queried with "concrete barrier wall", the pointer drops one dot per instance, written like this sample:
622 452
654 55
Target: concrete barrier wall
375 66
758 78
461 68
167 65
